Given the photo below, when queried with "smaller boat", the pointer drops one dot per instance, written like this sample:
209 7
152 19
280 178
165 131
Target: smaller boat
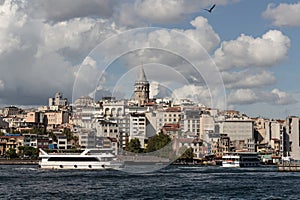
240 159
88 159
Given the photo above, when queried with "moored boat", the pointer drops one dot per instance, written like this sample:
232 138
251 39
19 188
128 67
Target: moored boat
88 159
240 159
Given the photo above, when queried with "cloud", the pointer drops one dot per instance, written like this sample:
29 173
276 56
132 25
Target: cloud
283 14
44 42
246 51
203 33
283 98
132 13
64 10
1 84
193 92
165 12
75 38
167 46
158 90
249 96
38 58
242 96
248 79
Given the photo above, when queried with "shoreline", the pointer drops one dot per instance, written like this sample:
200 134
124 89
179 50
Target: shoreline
18 162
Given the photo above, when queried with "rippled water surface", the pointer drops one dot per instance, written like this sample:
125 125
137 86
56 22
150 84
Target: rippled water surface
29 182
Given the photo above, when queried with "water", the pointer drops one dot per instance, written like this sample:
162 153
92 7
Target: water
28 182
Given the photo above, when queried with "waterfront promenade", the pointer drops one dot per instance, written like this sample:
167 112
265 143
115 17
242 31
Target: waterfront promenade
18 162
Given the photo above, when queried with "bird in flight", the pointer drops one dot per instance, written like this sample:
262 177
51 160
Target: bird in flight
209 10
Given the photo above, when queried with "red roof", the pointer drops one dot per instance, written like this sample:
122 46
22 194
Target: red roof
173 109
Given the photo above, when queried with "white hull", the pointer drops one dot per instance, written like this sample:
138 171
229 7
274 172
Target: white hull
230 164
85 161
87 165
240 159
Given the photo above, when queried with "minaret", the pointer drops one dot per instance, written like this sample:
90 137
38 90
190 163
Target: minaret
141 88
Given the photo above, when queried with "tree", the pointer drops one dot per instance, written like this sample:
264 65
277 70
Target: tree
38 131
27 151
11 153
68 134
53 136
187 155
158 142
134 146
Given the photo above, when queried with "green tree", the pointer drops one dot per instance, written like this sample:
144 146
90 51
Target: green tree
157 142
11 153
188 155
53 136
38 131
27 151
134 146
67 132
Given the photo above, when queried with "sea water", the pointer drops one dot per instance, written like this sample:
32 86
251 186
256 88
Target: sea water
172 182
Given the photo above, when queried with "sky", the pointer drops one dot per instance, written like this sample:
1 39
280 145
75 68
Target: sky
244 55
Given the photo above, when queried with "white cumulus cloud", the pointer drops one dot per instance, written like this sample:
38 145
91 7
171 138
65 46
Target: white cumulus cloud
196 93
247 51
283 14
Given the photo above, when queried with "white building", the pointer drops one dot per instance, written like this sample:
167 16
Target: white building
292 129
161 117
207 125
190 121
138 127
113 108
58 100
240 131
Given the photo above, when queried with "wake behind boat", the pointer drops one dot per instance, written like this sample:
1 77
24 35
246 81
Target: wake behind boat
99 159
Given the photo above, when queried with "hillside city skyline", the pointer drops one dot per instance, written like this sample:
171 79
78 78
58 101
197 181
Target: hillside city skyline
116 123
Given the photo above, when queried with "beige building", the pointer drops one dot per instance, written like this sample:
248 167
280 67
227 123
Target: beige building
56 118
34 117
207 125
10 142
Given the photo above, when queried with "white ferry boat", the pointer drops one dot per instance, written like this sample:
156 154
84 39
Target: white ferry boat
88 159
240 159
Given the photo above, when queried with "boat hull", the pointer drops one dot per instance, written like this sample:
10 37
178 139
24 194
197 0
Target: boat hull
83 165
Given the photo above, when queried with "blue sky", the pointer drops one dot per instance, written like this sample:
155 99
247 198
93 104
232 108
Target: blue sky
254 44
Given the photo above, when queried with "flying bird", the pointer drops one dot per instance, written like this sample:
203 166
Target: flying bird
209 10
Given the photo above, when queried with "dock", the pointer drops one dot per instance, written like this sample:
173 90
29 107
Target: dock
289 167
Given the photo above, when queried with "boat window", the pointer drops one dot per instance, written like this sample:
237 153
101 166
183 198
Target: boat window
71 159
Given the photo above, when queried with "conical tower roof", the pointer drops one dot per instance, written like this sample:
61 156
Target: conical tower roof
142 76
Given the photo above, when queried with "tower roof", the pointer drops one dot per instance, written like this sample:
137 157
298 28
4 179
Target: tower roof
142 76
